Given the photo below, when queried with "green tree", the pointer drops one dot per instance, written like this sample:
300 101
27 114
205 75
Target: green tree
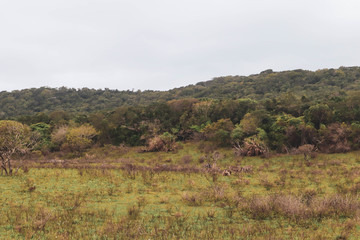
44 132
318 114
219 132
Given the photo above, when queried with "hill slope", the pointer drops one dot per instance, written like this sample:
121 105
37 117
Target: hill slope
315 86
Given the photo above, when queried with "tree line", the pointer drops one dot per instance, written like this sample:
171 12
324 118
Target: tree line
315 86
326 118
279 124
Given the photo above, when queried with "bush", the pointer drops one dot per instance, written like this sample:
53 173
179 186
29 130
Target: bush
252 146
58 136
306 149
334 138
165 142
219 132
80 138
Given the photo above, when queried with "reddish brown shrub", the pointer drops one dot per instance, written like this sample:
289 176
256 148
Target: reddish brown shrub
165 142
334 138
155 144
251 147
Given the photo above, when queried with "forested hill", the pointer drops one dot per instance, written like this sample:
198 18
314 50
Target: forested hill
314 86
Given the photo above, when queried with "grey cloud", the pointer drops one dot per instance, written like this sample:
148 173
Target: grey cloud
162 44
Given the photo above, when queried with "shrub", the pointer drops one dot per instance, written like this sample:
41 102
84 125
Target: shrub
192 199
58 136
219 132
165 142
306 149
252 146
155 144
334 138
80 138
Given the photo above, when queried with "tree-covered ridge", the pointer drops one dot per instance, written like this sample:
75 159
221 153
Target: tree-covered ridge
312 86
44 99
318 84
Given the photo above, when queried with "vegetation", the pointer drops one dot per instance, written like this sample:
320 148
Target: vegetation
280 90
235 157
15 138
294 108
120 193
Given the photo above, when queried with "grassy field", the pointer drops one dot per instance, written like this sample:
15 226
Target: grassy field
121 193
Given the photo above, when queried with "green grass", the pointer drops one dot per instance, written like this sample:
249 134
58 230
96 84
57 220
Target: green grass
281 198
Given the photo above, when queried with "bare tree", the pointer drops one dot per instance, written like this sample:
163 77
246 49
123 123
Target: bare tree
15 138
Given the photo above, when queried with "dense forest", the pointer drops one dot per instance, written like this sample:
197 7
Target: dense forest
257 114
268 85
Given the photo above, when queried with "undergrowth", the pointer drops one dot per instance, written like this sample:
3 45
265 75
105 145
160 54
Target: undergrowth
176 196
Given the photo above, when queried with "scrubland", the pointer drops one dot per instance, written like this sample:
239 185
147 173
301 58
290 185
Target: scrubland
196 192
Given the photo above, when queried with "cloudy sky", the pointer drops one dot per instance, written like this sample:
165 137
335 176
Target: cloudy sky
162 44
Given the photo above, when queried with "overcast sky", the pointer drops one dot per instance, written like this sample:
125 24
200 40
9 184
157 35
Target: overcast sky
162 44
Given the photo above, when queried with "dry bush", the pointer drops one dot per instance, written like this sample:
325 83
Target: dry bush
251 147
216 193
165 143
307 149
29 220
308 196
303 149
58 136
339 205
125 228
334 139
302 208
155 144
259 207
192 199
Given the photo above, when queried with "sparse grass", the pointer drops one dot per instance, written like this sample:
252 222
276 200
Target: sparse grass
145 196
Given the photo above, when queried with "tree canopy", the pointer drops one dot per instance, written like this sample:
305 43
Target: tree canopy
15 138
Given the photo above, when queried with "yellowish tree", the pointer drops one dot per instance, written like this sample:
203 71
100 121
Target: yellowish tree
15 138
80 138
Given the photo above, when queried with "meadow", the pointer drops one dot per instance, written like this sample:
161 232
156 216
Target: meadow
195 192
